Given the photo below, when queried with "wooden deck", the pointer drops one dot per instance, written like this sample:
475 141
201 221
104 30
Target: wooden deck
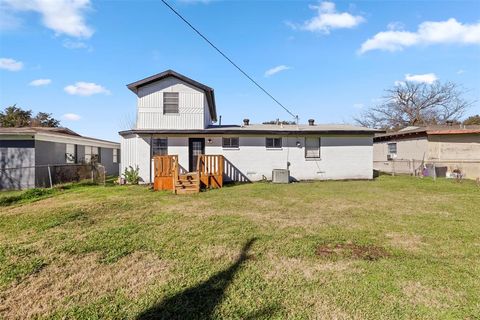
167 174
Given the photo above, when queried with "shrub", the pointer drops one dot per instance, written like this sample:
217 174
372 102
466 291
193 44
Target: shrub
131 175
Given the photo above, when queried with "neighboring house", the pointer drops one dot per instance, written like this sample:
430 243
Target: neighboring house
26 153
450 148
175 116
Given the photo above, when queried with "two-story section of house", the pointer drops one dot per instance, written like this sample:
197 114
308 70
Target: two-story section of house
176 116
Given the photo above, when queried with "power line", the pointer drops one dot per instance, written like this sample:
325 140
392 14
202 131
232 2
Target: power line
229 60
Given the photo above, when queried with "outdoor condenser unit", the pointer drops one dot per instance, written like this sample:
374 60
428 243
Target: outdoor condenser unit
280 175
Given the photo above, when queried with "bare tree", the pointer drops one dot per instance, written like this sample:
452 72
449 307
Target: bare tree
414 104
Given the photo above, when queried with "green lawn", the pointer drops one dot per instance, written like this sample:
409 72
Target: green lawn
396 247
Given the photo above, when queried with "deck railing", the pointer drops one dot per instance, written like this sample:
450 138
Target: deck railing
210 170
166 172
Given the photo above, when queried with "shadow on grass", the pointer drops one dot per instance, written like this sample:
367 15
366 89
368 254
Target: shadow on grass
200 301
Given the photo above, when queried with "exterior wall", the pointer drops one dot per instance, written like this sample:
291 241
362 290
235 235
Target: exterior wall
106 160
15 155
407 150
192 105
136 152
342 157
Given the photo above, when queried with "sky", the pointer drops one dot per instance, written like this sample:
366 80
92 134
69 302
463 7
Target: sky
322 60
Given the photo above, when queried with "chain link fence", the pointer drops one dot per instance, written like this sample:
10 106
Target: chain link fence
47 176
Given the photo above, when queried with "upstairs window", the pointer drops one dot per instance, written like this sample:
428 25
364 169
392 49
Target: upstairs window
71 153
312 147
273 143
170 102
392 148
230 143
159 147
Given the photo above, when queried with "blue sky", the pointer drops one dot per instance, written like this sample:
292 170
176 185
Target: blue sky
73 58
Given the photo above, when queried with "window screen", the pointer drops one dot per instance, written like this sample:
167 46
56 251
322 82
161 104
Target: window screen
230 142
392 148
70 153
273 142
312 147
170 102
159 147
115 155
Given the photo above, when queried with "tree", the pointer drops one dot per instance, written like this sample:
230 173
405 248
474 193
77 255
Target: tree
14 116
414 104
43 119
472 120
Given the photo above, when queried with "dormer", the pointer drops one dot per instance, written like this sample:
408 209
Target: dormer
169 100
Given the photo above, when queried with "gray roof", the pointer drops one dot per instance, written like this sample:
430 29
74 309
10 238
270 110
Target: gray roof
427 130
170 73
58 131
263 129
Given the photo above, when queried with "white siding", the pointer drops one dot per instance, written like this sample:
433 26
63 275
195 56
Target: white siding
342 157
192 105
135 151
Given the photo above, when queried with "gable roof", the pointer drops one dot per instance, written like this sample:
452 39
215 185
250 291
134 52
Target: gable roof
134 86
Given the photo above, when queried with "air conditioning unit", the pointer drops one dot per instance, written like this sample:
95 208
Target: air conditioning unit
280 175
391 156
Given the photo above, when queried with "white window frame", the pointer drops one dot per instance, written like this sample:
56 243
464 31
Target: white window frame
115 155
229 145
273 144
314 148
91 151
393 144
70 153
169 99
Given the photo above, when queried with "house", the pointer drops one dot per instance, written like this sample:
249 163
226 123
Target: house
448 148
176 116
30 156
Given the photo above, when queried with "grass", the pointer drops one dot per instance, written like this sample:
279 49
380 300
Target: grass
396 247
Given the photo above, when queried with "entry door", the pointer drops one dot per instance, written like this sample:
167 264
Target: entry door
196 147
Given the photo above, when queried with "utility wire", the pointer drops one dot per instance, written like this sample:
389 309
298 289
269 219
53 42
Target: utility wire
229 60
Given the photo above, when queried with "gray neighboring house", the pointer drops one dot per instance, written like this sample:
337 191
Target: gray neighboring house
26 153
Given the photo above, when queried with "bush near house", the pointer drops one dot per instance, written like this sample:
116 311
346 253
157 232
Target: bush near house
396 247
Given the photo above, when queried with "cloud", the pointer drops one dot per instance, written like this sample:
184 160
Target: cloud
327 19
444 32
460 71
85 89
275 70
40 82
421 78
358 105
69 44
71 117
62 16
10 64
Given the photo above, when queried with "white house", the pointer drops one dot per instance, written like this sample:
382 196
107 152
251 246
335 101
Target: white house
176 116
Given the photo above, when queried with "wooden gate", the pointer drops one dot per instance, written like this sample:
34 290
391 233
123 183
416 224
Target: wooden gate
210 169
165 172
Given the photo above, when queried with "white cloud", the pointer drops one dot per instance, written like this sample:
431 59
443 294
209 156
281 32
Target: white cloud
10 64
71 117
429 32
358 105
62 16
460 71
40 82
327 19
275 70
421 78
85 89
69 44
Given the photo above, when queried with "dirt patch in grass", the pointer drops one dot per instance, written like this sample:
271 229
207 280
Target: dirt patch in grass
74 280
410 242
352 251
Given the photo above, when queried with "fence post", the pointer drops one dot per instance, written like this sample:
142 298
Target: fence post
393 167
50 176
434 172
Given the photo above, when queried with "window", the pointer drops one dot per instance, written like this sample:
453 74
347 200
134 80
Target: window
312 147
115 155
159 147
92 154
273 143
392 148
231 142
170 102
70 153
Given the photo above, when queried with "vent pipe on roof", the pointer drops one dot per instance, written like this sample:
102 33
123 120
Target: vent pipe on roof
311 122
246 122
